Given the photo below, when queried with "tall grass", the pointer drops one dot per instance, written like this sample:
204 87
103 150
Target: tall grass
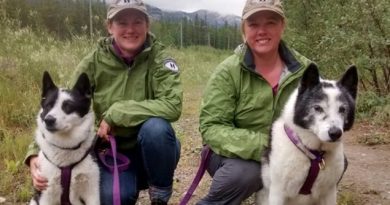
196 64
23 58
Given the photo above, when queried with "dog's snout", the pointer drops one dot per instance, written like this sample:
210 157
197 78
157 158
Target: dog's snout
50 121
335 133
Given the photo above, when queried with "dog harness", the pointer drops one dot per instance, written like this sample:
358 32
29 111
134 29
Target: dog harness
66 174
66 171
316 161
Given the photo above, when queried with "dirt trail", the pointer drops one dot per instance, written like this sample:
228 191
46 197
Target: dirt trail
368 173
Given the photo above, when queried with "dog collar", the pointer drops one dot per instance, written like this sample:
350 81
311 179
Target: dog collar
316 160
66 148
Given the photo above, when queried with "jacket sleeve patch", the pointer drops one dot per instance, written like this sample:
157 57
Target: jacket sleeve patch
171 65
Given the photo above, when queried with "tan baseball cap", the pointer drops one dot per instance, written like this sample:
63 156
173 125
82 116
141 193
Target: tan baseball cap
253 6
119 5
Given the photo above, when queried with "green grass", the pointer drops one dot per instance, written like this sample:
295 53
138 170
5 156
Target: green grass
196 65
346 199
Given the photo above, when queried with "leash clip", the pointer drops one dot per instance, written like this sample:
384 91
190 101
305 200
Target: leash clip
322 164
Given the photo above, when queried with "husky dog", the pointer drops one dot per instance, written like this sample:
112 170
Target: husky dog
305 159
65 135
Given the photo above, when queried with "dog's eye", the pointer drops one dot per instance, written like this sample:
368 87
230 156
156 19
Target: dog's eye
47 104
342 110
67 107
318 109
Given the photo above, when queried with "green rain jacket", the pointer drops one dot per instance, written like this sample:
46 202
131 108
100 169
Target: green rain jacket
238 106
125 96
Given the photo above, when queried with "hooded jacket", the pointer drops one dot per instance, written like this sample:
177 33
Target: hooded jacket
238 106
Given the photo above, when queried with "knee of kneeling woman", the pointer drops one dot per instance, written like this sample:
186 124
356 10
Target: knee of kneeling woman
247 179
156 129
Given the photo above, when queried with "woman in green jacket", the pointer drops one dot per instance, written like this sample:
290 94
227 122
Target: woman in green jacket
242 98
136 94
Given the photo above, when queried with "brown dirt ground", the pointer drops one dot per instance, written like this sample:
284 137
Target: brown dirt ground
368 175
366 182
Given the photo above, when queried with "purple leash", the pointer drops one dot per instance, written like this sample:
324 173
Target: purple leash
115 169
206 153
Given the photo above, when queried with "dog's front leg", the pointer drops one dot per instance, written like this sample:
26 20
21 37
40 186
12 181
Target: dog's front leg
262 196
48 199
330 198
90 197
93 197
276 196
85 188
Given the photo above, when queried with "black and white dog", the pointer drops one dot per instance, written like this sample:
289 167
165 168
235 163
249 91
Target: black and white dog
305 160
65 135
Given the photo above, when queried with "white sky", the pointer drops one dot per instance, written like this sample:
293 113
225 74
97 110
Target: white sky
220 6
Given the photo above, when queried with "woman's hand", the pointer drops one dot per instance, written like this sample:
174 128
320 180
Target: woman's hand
104 130
39 182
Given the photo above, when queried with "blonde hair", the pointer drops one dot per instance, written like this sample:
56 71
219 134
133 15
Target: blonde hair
242 31
243 21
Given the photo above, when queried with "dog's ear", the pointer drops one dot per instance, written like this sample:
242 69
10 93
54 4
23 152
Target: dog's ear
350 81
83 85
310 78
47 84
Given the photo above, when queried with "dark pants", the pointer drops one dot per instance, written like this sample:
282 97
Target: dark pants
234 180
153 163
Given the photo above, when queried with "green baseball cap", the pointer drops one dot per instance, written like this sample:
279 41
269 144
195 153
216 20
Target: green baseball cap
253 6
119 5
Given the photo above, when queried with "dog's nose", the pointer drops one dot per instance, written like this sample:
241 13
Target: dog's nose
335 133
50 121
